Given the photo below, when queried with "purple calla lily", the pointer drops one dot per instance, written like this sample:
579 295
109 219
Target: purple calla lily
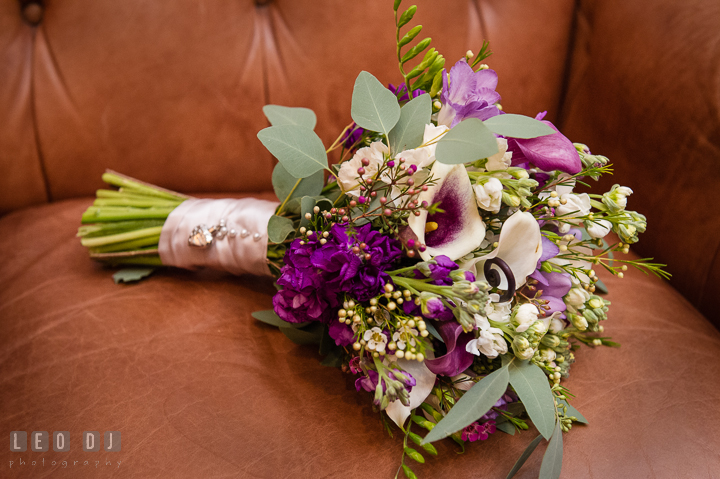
549 152
457 359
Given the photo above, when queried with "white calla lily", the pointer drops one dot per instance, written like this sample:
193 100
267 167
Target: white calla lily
459 229
520 246
424 382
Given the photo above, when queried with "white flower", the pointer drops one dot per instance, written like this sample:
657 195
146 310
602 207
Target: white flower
598 228
489 195
519 245
490 342
525 316
460 229
348 176
375 338
547 355
576 297
498 312
500 160
400 337
556 325
576 205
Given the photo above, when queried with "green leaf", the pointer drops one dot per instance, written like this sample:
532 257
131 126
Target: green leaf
409 36
130 275
552 460
524 456
507 427
571 411
406 16
531 386
374 107
269 316
284 115
416 50
518 126
434 332
279 228
299 149
309 335
412 453
600 287
408 472
307 204
410 128
283 184
469 141
474 403
334 359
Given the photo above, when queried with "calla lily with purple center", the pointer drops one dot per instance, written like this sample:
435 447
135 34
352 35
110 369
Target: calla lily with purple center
458 229
457 359
549 152
519 246
469 94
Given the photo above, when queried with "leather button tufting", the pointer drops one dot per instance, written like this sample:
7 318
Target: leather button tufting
32 12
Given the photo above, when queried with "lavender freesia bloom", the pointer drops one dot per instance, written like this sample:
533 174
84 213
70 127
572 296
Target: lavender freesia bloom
554 285
549 152
469 94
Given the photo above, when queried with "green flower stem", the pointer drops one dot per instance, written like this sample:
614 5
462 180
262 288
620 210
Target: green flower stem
113 213
141 202
121 237
418 285
142 260
138 187
132 245
287 198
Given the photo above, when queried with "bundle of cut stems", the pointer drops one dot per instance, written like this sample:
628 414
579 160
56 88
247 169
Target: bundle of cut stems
123 225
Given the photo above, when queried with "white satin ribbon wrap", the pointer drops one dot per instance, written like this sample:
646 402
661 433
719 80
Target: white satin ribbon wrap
238 255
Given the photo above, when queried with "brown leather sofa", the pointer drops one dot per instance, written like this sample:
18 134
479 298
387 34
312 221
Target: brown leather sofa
171 92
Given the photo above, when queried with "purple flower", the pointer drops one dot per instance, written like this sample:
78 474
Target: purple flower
470 94
314 275
456 359
478 431
549 152
401 92
352 135
553 285
341 333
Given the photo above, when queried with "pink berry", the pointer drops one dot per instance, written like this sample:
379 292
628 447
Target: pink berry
387 212
365 162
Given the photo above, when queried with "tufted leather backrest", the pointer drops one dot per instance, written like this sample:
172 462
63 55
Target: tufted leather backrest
171 92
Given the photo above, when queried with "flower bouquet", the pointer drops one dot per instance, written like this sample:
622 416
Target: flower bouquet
446 260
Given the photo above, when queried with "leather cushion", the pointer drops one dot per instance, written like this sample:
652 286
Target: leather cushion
198 388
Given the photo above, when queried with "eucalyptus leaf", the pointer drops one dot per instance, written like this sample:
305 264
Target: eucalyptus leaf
470 140
283 184
268 316
524 456
279 228
434 332
531 386
518 126
571 411
284 115
552 460
600 287
307 203
309 335
374 107
473 405
410 128
507 427
298 148
130 275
